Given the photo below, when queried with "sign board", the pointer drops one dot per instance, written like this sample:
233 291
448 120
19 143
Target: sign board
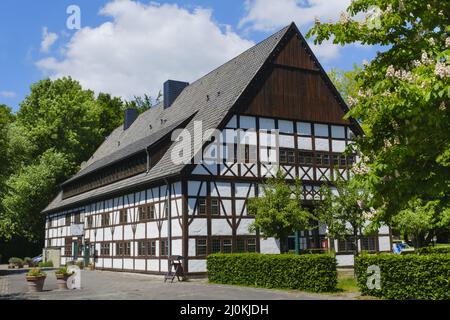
77 229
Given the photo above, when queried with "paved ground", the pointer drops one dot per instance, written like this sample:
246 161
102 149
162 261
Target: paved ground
106 285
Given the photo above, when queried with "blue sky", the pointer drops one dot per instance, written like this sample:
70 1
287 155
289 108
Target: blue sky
129 47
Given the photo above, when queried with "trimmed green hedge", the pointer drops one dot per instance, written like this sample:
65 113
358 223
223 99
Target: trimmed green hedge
431 250
406 276
309 272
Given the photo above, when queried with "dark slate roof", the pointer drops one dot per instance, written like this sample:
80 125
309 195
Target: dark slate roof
230 79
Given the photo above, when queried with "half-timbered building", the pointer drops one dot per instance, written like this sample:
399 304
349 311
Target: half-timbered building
139 200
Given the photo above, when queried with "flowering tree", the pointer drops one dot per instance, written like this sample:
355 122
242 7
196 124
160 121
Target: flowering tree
403 99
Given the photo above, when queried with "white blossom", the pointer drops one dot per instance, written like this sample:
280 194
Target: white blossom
316 20
416 63
431 41
425 59
442 70
447 42
344 18
390 72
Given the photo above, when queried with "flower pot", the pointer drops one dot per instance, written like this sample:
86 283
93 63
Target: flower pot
35 284
61 280
91 267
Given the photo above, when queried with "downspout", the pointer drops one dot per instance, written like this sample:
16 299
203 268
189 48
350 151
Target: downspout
148 159
169 223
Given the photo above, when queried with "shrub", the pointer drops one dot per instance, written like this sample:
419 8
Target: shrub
431 250
16 261
27 261
312 272
406 276
47 264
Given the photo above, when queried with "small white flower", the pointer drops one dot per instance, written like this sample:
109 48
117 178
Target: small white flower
390 72
344 18
416 63
316 20
425 59
431 41
447 42
442 70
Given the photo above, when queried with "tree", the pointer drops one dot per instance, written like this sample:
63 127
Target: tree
143 103
28 192
346 82
344 212
278 211
422 221
403 99
6 118
58 126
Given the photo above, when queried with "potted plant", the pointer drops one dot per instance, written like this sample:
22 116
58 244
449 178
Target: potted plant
35 278
61 277
91 266
15 262
80 264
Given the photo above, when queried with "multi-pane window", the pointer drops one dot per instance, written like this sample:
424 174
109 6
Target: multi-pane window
105 219
346 245
283 156
201 247
202 206
240 245
287 156
166 209
68 246
322 159
123 216
90 221
151 211
77 218
215 207
68 219
164 248
105 248
123 248
227 247
143 214
151 248
305 158
251 245
215 246
142 248
369 243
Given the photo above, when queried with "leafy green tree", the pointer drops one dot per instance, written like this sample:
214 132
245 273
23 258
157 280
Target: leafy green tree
6 118
278 211
421 221
403 98
346 82
28 192
345 211
58 126
143 103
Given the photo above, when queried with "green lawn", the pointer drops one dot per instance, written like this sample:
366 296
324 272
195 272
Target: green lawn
347 282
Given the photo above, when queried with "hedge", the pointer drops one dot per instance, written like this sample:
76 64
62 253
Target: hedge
406 276
432 250
311 272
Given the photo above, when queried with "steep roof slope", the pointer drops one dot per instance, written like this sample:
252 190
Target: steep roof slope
210 98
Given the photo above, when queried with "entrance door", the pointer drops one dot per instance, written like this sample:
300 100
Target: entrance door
86 253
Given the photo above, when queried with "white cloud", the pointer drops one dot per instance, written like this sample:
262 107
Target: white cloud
144 45
268 15
48 39
7 94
